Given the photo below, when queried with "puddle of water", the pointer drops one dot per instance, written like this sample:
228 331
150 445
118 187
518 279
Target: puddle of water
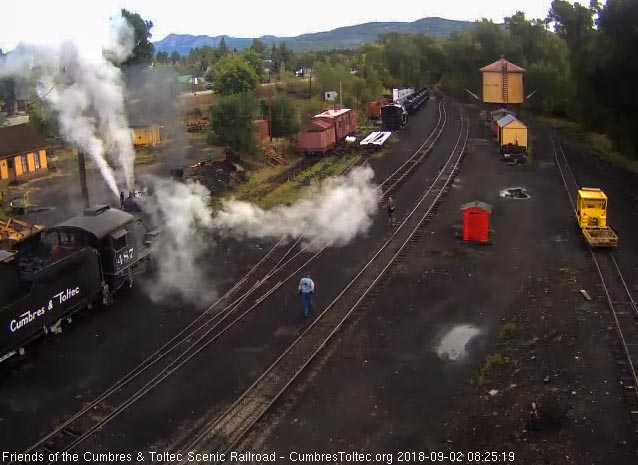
452 346
514 193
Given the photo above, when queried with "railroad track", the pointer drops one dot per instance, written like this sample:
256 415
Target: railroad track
619 298
226 431
208 327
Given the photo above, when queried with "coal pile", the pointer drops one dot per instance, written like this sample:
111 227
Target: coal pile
216 175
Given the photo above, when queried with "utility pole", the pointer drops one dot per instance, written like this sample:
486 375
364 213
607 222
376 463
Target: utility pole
310 90
83 186
340 96
270 117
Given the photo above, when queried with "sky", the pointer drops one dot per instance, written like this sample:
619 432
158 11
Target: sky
86 21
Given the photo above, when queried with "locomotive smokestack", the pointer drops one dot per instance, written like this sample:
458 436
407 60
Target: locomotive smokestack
83 186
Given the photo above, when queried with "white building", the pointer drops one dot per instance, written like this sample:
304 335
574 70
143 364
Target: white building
331 96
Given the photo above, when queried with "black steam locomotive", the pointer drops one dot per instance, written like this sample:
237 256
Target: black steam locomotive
394 116
66 268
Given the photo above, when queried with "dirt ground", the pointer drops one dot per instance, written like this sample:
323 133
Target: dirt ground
57 378
474 348
469 349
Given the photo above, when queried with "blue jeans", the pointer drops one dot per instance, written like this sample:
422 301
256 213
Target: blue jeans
306 298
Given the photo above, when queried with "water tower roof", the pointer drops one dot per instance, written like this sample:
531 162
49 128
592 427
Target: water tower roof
498 66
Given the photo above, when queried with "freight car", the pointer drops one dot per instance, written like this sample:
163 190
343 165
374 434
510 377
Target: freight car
414 102
373 109
66 268
325 130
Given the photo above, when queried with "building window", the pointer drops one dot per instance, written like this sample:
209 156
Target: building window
23 161
36 160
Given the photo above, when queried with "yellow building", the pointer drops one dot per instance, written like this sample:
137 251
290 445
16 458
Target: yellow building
503 83
512 131
22 153
145 135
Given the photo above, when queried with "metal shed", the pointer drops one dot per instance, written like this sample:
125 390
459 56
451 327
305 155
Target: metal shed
512 131
476 221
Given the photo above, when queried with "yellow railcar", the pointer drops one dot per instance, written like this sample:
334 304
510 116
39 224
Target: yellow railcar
591 213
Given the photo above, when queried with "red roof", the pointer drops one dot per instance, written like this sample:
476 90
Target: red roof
498 65
318 125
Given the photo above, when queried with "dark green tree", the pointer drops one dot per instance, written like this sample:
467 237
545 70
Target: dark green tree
255 61
259 47
162 58
7 95
222 49
275 57
175 57
42 119
616 73
233 75
143 50
231 120
285 118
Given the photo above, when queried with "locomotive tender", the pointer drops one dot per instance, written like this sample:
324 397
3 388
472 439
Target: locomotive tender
66 268
394 116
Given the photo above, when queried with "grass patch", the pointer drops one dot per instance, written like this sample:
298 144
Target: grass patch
294 188
599 144
145 156
197 137
261 191
507 331
491 361
5 213
259 184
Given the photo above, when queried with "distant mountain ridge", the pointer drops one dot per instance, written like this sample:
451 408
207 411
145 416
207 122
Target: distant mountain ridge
340 38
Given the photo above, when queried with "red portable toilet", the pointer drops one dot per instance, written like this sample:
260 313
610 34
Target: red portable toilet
476 221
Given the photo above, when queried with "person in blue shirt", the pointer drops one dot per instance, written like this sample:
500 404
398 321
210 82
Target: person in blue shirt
306 289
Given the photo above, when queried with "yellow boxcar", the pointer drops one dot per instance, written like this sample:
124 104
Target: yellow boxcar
591 214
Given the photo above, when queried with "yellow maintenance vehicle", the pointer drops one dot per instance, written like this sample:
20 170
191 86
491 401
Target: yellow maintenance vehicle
591 212
14 231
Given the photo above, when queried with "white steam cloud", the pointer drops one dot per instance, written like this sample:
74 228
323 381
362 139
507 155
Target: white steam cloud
332 215
184 211
88 97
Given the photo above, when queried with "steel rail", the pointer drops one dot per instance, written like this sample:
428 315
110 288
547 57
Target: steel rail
182 338
264 400
605 282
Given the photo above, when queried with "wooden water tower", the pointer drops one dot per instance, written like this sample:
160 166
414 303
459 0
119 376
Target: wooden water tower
502 84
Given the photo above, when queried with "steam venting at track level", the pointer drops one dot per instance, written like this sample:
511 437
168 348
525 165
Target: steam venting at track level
332 215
